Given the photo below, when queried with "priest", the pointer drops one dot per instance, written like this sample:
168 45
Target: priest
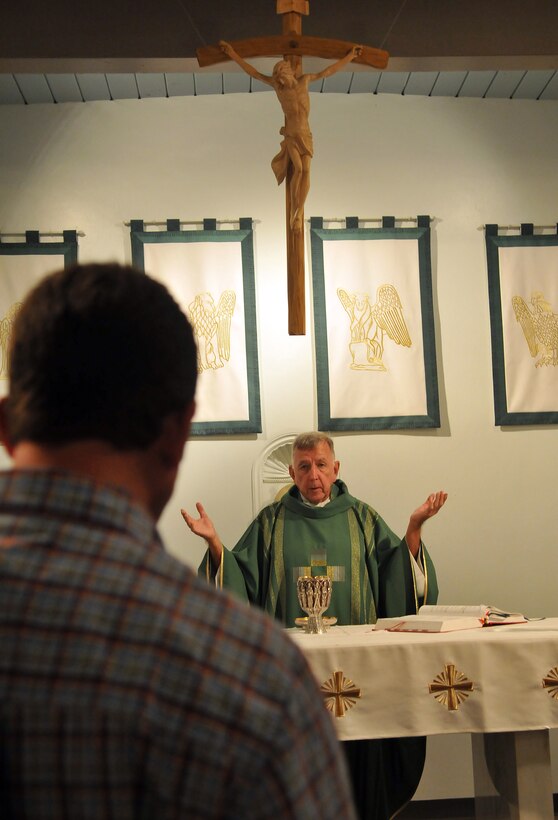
319 528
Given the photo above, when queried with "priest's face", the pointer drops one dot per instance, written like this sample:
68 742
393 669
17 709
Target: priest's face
314 471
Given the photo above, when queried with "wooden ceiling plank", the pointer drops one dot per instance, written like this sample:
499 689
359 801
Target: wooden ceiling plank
338 84
476 83
236 83
364 82
504 84
94 87
64 88
532 85
180 84
151 85
122 86
208 83
421 83
34 88
392 82
448 83
550 91
9 91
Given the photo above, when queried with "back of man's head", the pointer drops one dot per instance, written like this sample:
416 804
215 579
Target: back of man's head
101 352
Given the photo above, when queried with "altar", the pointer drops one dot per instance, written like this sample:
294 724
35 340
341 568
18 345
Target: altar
499 683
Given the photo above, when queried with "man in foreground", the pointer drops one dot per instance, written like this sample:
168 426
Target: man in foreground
318 528
128 687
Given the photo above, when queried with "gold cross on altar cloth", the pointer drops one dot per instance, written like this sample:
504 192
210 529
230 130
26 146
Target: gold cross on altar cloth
451 687
339 693
293 46
550 682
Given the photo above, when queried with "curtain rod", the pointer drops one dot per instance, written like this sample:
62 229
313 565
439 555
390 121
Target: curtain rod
378 219
41 233
163 224
518 227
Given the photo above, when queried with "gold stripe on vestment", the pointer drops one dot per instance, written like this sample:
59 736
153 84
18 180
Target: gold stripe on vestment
279 564
354 534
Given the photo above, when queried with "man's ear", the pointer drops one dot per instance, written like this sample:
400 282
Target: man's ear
5 438
336 468
174 435
291 472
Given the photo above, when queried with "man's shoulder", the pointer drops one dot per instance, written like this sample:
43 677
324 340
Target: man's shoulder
365 509
216 638
203 614
362 508
270 511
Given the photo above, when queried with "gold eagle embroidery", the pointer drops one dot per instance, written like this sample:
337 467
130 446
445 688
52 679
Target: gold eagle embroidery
212 328
369 324
540 327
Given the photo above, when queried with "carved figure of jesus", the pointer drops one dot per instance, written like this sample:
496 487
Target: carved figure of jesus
296 147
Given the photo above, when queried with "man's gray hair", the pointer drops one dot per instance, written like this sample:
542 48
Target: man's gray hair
309 441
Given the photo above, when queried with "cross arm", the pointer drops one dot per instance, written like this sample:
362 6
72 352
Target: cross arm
299 46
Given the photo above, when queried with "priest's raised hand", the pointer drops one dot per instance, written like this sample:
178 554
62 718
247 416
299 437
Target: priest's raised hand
204 527
429 508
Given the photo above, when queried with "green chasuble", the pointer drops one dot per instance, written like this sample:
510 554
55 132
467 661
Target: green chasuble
370 567
373 576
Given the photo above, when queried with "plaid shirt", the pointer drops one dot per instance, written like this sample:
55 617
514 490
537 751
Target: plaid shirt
129 688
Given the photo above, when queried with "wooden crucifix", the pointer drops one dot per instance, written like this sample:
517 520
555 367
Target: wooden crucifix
292 163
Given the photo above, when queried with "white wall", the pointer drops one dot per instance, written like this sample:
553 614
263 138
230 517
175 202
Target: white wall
466 162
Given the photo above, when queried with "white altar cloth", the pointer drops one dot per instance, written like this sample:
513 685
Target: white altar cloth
491 679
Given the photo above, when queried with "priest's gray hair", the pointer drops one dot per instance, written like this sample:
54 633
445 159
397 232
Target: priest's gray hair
309 441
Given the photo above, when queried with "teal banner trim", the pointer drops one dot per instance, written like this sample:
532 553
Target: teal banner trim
420 235
140 237
67 248
494 241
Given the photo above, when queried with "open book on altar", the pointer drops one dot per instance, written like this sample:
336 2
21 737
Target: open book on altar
433 618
